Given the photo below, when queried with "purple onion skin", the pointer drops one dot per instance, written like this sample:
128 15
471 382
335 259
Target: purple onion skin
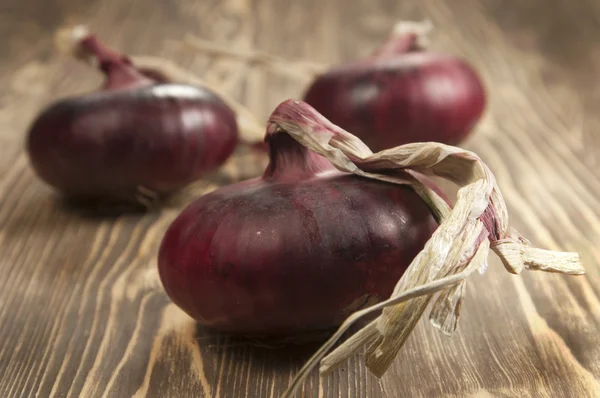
391 100
138 133
296 250
108 143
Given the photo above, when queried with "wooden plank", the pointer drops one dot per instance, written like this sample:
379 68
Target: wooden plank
82 312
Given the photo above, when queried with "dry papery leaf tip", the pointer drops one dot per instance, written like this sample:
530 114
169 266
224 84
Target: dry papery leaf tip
476 223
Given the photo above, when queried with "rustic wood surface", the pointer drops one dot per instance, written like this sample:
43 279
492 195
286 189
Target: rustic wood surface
82 313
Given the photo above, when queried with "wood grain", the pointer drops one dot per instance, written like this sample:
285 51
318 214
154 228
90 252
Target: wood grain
82 313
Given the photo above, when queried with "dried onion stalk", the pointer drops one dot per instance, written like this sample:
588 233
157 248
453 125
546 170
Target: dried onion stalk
477 222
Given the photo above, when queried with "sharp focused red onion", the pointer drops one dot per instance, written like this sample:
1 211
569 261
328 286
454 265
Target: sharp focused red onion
401 94
298 249
139 134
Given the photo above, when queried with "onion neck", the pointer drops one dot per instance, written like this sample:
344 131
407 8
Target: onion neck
406 37
119 71
289 160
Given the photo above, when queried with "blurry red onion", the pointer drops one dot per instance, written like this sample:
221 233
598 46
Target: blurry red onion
298 249
138 135
401 93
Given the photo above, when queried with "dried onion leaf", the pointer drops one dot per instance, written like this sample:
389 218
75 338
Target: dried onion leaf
477 222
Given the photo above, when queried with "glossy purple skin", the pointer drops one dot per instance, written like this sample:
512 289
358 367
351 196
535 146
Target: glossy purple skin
275 256
395 100
107 144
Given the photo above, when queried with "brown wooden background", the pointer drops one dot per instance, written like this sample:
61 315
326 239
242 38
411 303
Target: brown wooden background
82 313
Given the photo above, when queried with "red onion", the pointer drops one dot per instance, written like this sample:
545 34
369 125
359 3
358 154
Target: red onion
401 94
296 250
138 135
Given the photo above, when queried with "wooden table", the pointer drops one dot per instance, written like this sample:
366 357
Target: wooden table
82 313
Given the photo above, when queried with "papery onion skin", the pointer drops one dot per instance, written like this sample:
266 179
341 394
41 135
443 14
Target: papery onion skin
297 250
401 94
138 132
